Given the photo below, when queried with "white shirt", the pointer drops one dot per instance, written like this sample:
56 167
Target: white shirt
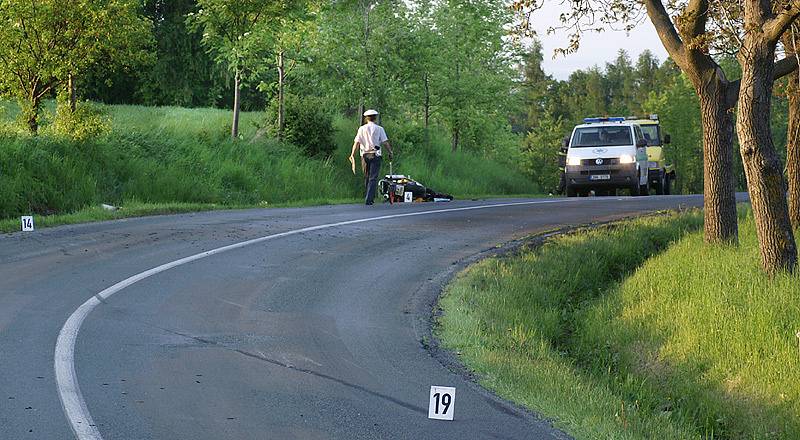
369 136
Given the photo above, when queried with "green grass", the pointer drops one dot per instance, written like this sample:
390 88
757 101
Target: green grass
170 155
636 331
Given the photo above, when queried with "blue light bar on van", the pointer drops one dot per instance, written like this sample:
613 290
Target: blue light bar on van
612 119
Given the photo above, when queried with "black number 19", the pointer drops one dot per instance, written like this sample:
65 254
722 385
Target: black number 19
445 399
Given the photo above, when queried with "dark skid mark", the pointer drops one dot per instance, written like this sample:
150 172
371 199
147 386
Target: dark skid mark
406 405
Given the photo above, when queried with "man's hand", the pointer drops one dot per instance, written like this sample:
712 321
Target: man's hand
352 163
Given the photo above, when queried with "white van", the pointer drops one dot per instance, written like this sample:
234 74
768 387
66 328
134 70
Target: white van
604 155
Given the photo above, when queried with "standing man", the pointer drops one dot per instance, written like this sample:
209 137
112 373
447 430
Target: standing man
369 139
562 166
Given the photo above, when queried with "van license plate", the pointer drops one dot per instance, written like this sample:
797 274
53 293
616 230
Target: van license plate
600 177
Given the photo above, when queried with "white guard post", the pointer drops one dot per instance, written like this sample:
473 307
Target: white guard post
27 223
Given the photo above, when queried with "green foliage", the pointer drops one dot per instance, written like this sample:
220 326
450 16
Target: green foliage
182 72
68 39
540 152
677 105
361 48
239 33
309 125
168 155
472 82
87 121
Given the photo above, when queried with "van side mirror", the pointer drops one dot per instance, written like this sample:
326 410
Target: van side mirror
641 143
565 144
667 139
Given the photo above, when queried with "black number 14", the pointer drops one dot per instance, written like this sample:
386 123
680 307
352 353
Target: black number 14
445 400
28 223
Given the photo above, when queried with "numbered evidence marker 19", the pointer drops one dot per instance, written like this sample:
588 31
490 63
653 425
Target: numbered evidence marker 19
441 403
408 197
27 223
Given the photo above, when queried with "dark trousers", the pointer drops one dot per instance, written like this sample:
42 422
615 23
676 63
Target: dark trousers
371 164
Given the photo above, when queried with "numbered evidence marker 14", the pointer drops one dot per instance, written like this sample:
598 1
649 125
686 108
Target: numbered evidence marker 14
27 223
442 402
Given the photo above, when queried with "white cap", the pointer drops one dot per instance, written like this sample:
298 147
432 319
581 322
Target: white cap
370 113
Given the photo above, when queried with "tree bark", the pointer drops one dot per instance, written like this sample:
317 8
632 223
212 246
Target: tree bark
719 188
791 41
793 150
73 93
236 96
712 88
281 96
761 163
32 117
455 139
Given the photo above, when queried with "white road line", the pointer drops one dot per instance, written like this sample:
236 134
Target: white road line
69 392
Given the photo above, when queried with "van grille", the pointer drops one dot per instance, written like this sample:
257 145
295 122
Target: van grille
606 161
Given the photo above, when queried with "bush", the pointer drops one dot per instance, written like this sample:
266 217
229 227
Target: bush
87 121
308 125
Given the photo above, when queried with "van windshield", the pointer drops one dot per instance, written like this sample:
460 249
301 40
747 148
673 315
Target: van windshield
651 134
602 136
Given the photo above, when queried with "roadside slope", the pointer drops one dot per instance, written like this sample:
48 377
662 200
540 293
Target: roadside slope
172 155
634 332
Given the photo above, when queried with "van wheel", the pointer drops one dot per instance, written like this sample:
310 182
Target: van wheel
668 185
662 183
635 189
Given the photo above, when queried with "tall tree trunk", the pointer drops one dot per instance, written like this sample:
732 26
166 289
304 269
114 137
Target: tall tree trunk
73 93
711 87
281 96
365 49
793 150
427 103
236 96
32 116
791 42
761 163
455 139
719 188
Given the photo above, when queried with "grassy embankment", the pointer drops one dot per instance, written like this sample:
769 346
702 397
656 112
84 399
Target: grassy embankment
167 159
636 331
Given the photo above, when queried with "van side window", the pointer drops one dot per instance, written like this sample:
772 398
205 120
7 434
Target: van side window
638 131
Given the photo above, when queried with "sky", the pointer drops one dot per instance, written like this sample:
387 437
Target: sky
595 48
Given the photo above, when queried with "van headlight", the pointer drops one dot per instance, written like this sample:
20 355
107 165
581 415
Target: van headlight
573 161
627 158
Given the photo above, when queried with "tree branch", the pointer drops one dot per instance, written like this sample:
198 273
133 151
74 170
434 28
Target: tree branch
776 26
784 67
781 68
697 13
666 30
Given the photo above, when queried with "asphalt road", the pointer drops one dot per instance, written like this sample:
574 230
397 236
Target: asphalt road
315 334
